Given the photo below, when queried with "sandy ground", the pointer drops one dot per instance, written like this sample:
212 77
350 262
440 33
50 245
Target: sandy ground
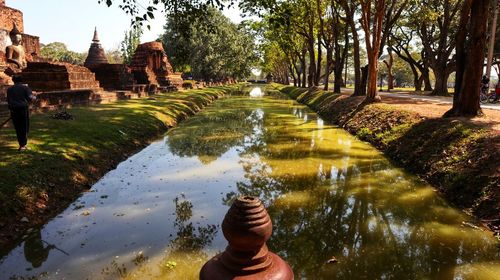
491 118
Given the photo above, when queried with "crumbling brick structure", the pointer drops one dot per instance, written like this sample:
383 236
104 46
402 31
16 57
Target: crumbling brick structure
50 76
9 18
150 65
114 76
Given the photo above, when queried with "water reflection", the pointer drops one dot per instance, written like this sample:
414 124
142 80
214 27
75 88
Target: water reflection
328 194
212 136
256 92
35 250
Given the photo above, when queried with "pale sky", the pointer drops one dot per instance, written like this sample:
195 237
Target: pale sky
72 22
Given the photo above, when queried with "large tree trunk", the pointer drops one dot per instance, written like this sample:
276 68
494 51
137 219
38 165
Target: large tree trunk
427 79
441 86
312 65
327 68
359 89
418 81
364 80
371 90
470 59
318 63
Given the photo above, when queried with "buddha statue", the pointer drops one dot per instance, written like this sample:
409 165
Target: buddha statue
15 53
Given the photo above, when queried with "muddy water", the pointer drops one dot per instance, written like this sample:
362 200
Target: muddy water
157 215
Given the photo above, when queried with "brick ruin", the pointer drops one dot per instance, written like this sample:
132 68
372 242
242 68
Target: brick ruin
150 65
58 84
50 76
11 19
111 76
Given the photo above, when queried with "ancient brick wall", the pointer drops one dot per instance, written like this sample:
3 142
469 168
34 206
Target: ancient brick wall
31 46
46 76
9 16
114 76
4 41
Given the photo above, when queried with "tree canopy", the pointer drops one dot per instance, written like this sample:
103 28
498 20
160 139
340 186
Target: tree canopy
212 48
58 52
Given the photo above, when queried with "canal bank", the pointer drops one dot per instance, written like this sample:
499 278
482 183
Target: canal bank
66 157
459 158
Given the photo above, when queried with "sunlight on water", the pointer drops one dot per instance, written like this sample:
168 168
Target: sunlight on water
256 92
158 215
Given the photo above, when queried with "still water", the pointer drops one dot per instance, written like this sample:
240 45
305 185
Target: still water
158 215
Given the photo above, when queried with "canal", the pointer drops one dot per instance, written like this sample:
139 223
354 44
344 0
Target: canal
158 214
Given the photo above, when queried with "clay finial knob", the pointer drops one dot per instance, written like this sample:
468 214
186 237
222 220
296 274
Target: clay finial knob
247 226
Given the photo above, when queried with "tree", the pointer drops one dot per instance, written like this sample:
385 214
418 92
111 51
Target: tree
437 24
58 52
350 8
404 45
214 48
114 56
372 17
130 42
471 43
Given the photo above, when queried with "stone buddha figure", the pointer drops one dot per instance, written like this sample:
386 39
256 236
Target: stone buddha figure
15 53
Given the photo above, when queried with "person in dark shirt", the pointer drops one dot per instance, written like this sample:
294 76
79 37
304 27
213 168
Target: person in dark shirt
18 98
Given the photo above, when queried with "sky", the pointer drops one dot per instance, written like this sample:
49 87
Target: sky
72 22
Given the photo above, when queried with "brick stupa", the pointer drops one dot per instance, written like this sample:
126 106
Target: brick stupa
96 55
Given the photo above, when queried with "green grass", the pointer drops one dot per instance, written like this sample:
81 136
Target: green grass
65 157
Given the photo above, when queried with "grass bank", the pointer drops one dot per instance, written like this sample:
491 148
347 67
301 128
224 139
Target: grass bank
67 156
457 157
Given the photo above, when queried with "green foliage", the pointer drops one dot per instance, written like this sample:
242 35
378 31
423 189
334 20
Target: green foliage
114 56
130 42
213 47
58 52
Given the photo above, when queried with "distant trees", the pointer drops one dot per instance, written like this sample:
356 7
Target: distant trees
212 47
58 52
130 42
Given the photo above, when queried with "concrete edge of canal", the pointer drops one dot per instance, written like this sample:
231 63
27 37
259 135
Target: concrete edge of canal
458 158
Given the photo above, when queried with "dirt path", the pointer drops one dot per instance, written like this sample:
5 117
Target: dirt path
491 118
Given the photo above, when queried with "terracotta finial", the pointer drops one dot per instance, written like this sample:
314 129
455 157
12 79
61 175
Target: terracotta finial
247 226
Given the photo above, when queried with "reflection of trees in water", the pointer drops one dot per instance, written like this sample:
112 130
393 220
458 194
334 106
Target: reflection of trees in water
351 207
190 238
211 134
184 256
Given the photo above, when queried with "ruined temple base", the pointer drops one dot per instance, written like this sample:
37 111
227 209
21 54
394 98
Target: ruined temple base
49 76
113 76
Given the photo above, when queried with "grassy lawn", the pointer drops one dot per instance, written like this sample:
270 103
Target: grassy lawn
68 156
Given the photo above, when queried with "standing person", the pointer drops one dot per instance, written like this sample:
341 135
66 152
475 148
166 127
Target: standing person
18 98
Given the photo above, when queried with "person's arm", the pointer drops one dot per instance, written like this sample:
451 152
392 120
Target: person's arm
29 94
